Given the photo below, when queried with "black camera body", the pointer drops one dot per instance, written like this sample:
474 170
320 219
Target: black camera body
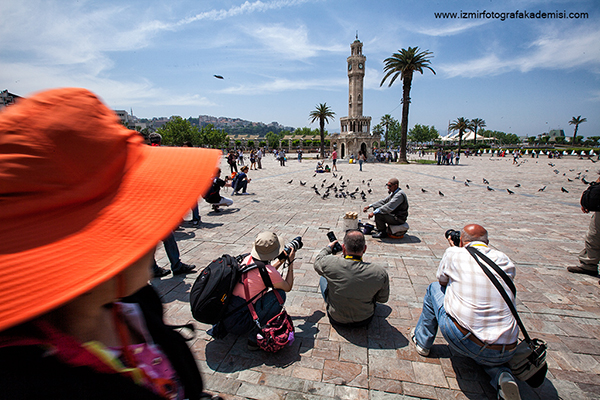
294 244
454 235
336 247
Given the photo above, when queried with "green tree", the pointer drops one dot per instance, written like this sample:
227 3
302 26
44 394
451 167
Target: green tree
475 124
395 133
559 139
262 143
178 131
273 139
322 113
212 137
251 144
386 121
404 64
423 133
295 142
576 122
461 125
531 139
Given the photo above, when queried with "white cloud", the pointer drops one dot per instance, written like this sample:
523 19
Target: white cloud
553 49
291 43
449 29
282 85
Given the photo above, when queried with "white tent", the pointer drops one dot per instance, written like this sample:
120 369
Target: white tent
453 137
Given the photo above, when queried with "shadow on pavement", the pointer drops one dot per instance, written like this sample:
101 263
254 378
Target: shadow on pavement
406 239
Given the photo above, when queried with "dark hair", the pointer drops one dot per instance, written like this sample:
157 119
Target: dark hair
354 240
155 138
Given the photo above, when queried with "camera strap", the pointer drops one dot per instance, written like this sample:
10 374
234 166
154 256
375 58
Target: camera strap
476 255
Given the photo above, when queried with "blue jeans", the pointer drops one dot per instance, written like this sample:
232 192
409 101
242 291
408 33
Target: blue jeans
434 316
172 253
243 185
241 322
195 213
360 163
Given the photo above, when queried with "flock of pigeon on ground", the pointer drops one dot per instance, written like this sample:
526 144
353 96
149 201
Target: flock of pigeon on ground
339 187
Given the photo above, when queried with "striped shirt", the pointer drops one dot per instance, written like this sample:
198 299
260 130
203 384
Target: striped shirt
473 300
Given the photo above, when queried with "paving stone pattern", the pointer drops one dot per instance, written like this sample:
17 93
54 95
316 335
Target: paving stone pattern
541 231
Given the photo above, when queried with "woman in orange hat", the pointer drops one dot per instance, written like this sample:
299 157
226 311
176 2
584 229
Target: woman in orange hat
77 317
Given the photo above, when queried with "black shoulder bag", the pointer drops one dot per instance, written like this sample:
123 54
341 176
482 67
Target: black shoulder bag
529 361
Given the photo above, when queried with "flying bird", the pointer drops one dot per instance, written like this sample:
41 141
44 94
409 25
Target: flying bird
468 180
441 194
562 189
518 185
302 183
290 181
218 76
490 189
510 191
486 181
423 190
542 189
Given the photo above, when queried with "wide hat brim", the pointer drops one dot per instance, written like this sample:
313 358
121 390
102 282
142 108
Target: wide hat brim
261 255
49 256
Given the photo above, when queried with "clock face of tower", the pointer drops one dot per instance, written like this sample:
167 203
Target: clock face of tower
360 66
349 67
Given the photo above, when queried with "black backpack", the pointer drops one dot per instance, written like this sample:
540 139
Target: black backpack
212 291
590 199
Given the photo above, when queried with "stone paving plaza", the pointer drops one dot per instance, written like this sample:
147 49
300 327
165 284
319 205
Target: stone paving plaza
541 231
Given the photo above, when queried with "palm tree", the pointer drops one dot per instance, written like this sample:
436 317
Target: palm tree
576 122
404 64
322 113
477 123
386 121
461 125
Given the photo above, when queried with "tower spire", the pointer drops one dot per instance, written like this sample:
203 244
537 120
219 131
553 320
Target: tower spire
357 34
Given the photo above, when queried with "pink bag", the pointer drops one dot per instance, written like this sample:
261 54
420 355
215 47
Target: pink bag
277 333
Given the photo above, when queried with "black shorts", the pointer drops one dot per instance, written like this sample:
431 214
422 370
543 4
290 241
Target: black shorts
334 161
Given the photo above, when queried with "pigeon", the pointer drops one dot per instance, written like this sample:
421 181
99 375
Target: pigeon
490 189
363 181
562 189
369 180
324 180
518 185
542 189
322 185
453 178
369 184
441 194
408 187
510 191
334 175
290 181
485 181
550 164
302 183
423 190
218 76
370 191
584 181
326 195
468 180
570 180
593 161
356 190
317 192
571 170
314 187
466 183
556 171
314 175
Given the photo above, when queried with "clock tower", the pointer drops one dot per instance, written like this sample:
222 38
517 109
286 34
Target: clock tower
355 134
356 76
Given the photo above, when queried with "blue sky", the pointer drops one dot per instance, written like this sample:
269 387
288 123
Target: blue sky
280 58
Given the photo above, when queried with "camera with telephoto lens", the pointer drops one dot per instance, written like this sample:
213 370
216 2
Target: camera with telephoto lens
336 247
453 235
294 244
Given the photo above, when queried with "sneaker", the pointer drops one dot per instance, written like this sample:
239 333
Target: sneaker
507 387
195 222
581 270
160 272
216 208
379 235
421 350
245 193
184 269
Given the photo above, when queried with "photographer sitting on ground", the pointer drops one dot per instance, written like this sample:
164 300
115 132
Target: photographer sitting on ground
267 246
241 181
350 286
470 312
214 197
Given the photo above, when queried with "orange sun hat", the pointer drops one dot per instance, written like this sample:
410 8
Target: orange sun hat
82 198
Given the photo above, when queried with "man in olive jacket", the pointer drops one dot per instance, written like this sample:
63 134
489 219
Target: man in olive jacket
350 286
